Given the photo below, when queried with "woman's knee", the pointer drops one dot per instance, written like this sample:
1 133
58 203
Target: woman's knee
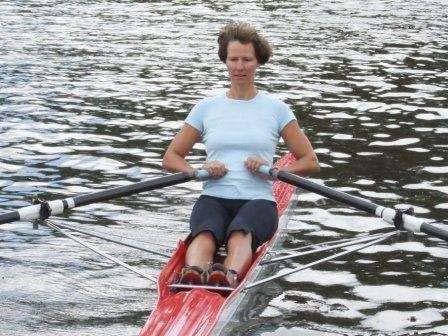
205 238
239 237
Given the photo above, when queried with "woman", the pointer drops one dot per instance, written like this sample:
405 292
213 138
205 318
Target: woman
240 130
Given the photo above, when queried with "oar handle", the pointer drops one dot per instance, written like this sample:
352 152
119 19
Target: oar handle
265 169
201 174
269 171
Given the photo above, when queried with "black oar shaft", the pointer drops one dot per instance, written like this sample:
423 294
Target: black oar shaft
131 189
59 206
9 217
336 195
408 222
434 231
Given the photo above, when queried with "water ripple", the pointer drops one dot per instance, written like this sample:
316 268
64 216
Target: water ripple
92 92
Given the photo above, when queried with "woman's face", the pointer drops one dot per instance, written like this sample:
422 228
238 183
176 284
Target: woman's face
241 62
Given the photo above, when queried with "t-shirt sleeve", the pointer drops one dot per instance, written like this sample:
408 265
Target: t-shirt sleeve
196 117
284 116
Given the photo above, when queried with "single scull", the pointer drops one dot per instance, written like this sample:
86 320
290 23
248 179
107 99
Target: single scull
196 310
199 310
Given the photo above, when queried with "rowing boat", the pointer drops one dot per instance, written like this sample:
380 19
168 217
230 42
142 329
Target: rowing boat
205 311
198 310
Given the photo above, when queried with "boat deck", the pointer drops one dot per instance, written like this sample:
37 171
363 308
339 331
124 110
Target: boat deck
195 312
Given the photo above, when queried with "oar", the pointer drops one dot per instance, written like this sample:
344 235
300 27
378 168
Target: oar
56 207
398 218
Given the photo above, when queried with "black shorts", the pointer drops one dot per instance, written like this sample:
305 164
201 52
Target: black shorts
222 216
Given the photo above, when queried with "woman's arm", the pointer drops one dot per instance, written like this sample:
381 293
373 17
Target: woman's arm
180 146
301 148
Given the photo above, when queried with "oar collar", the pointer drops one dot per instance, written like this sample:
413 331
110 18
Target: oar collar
398 219
44 211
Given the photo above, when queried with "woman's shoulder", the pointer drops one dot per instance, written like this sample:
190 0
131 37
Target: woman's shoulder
273 99
210 99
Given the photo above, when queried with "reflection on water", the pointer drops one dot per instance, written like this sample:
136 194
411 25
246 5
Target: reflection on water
92 92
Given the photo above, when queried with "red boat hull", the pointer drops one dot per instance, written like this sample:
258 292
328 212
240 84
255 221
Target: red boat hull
196 312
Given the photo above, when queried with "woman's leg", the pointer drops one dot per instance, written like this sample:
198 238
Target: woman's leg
207 223
254 224
201 250
239 251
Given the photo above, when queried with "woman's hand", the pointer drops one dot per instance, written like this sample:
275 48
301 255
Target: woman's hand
215 169
253 163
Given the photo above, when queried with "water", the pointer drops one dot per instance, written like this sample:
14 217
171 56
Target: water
92 92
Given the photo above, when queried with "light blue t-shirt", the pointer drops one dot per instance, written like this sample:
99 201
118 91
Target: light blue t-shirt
233 130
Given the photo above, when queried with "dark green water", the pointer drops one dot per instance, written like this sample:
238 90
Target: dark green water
91 92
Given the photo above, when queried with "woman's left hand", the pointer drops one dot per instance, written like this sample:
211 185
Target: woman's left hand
253 163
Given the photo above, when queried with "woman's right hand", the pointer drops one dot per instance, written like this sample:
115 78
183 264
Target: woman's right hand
215 169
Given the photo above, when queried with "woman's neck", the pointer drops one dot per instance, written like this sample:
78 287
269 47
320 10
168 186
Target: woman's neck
242 92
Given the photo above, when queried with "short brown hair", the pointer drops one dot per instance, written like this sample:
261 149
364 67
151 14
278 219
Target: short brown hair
244 33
